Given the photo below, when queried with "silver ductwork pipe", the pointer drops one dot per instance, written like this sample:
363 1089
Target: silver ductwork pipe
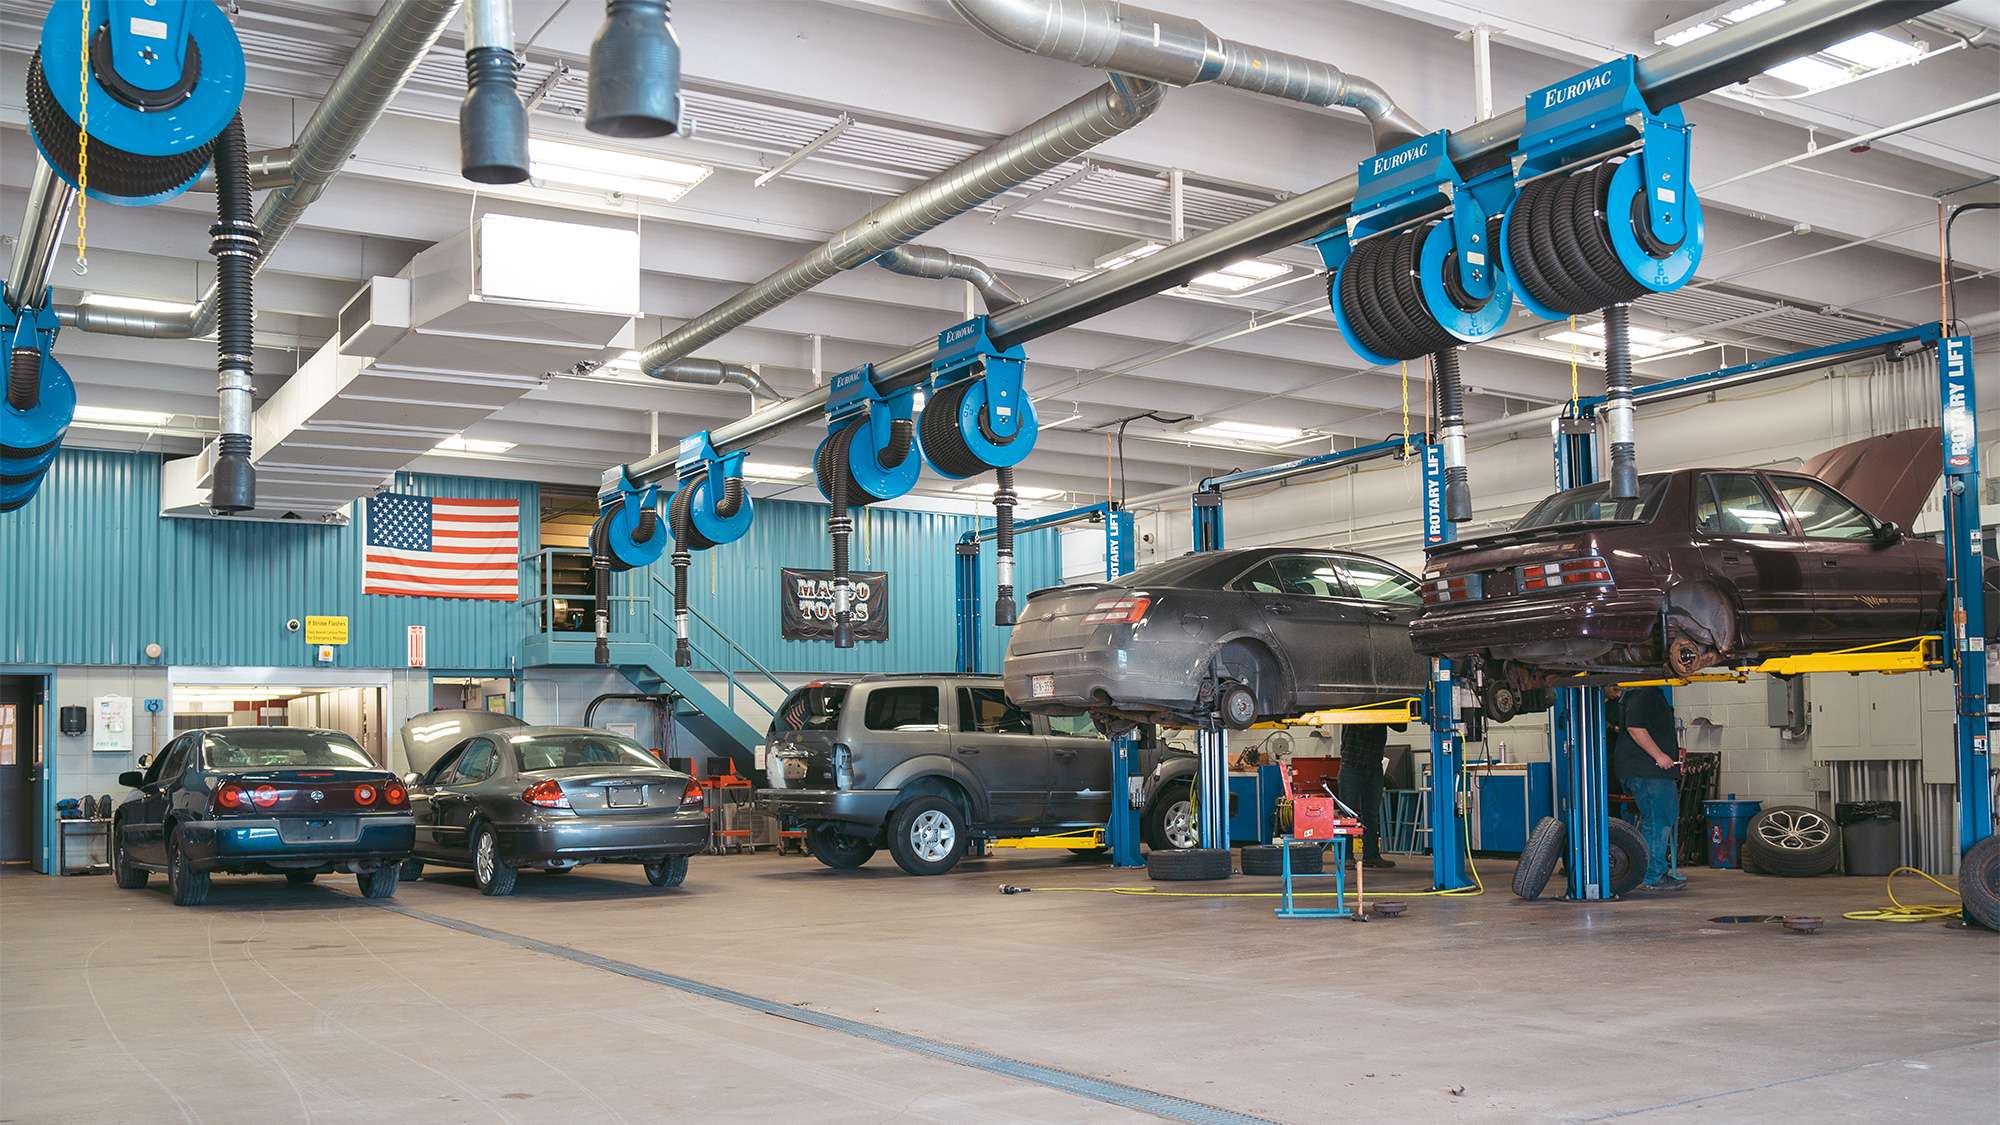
1127 39
715 373
1062 136
943 265
387 55
50 198
269 168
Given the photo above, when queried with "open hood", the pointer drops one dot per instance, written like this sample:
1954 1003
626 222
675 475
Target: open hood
1891 475
426 737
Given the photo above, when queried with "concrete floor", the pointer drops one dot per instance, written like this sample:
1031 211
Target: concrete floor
272 1005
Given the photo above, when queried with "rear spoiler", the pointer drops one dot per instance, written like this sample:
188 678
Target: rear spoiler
1072 586
1514 538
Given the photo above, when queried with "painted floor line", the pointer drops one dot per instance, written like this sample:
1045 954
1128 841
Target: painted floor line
1097 1089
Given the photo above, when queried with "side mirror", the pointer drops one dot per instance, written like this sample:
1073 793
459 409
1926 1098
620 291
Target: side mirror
1888 534
132 779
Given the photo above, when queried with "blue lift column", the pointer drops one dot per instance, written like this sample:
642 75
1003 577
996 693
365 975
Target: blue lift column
1965 632
1449 869
1578 758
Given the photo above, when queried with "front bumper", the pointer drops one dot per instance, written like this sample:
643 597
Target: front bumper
603 837
866 807
1505 627
1147 678
257 844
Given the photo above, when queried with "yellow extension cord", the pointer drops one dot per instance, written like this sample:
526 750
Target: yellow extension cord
1898 911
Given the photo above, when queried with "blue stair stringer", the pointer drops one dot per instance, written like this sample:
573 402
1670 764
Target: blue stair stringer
651 669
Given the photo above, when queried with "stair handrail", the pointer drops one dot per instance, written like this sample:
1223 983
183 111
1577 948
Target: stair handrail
728 674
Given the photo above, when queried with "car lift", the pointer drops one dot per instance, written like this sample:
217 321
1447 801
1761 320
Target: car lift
1576 727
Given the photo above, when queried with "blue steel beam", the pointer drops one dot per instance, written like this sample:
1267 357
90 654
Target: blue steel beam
1921 336
1207 505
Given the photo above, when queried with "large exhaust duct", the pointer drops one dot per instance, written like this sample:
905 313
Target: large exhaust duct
943 265
715 373
50 198
635 72
492 122
1127 39
1064 135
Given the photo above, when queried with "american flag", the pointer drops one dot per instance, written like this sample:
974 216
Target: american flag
432 547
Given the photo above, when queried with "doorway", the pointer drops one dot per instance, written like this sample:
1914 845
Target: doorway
22 769
354 702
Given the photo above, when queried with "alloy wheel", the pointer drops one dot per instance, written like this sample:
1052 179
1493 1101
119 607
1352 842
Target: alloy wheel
932 836
482 858
1797 830
1180 829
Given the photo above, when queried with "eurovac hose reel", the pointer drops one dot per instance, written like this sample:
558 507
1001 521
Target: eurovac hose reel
1415 274
708 509
40 402
1603 214
869 455
979 418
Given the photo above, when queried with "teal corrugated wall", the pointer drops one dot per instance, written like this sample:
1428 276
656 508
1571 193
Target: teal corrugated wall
90 574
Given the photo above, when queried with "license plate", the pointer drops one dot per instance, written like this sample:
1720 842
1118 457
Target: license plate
308 830
625 796
1042 687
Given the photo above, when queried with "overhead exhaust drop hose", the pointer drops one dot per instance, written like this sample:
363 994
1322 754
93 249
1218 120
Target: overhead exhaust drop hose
1618 401
24 379
600 586
236 246
1004 611
492 123
681 525
1451 435
839 526
635 72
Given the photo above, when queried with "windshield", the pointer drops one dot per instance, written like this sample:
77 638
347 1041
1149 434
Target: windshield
248 748
813 707
576 751
1593 504
1173 572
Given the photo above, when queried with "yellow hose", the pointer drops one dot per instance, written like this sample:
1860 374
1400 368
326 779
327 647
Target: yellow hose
1898 911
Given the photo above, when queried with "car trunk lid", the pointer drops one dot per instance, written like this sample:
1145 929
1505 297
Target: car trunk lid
801 759
1890 475
1496 559
1064 617
605 791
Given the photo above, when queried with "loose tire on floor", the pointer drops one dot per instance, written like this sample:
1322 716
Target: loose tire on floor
381 882
668 871
1269 859
828 844
927 835
1979 882
1796 841
1629 857
1538 860
122 872
1168 824
1187 865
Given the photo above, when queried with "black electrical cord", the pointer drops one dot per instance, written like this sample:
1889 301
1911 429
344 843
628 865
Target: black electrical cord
1950 282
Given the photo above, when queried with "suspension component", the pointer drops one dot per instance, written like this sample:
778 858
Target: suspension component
40 402
868 455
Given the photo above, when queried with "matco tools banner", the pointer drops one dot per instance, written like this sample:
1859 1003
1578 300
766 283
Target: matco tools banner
805 605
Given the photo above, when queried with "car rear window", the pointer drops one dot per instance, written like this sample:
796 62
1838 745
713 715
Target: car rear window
578 751
1173 572
813 707
895 708
1593 504
250 748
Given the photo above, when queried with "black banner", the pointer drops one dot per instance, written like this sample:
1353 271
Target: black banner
805 604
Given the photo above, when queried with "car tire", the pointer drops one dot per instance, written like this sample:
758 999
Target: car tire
828 844
1546 845
1169 821
1629 857
1979 882
1269 859
381 882
413 870
1796 841
122 872
1236 705
1188 865
1500 701
667 871
300 878
187 886
927 835
495 876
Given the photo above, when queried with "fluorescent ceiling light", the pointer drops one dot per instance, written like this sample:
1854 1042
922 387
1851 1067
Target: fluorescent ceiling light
1688 34
1238 276
1646 342
134 304
1712 20
1141 249
1247 431
121 416
1875 51
463 444
1752 10
1810 73
603 169
772 471
1024 491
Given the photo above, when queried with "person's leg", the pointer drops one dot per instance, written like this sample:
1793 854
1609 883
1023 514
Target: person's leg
1657 808
1368 803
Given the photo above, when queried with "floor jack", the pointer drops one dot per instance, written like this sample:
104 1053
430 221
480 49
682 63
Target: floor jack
1318 819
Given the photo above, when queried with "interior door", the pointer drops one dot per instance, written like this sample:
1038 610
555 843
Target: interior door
998 742
1079 771
20 807
1863 587
1746 542
1317 625
1392 599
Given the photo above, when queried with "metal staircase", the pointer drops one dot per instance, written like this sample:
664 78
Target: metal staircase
642 651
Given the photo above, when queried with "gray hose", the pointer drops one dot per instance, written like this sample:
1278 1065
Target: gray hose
1451 435
839 526
1004 611
677 515
1618 401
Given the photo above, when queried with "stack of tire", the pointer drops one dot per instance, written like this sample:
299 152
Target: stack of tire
1795 841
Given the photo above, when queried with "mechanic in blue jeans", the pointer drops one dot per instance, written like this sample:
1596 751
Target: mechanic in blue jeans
1647 759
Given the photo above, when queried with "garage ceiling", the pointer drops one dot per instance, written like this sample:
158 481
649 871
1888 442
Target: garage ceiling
1835 248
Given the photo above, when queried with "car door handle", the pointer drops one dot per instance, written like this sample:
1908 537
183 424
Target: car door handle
968 749
1729 558
1277 607
1064 752
1382 614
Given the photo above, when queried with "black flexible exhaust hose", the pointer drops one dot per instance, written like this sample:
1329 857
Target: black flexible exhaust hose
1618 401
24 379
600 573
235 245
1451 431
677 515
902 434
839 526
1004 611
732 498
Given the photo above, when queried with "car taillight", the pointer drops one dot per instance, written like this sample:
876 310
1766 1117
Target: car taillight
230 796
394 794
1445 591
546 795
1590 570
364 794
843 766
1111 611
265 796
692 797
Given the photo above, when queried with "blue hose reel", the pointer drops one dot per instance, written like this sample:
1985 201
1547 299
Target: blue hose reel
869 452
165 77
978 416
40 402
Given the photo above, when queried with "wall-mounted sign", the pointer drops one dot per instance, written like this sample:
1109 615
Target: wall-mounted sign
805 605
326 630
326 654
111 724
416 634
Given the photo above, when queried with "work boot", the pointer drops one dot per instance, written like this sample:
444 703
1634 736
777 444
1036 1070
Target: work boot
1377 862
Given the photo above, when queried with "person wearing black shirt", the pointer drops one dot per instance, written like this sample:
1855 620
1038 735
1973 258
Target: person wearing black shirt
1646 758
1362 746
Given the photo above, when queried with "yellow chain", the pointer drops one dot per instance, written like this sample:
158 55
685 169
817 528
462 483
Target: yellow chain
83 150
1406 408
1572 359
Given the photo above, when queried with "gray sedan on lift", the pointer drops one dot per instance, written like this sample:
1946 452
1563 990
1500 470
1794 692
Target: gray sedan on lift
554 798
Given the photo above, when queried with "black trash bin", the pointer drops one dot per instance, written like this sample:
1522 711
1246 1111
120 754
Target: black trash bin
1871 835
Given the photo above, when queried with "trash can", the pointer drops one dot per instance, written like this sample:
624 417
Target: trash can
1728 823
1871 835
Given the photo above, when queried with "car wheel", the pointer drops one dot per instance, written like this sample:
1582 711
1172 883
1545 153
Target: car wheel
828 844
1237 706
188 886
413 870
381 882
1629 857
1269 859
1979 882
494 875
927 835
1189 865
1169 822
1538 860
668 871
1500 701
300 878
127 876
1795 841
